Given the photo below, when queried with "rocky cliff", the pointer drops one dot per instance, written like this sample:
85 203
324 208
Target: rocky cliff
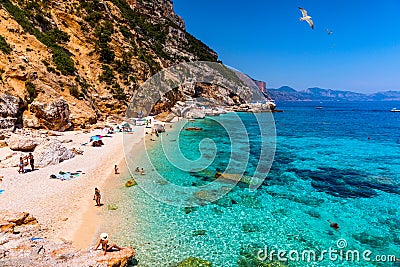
67 64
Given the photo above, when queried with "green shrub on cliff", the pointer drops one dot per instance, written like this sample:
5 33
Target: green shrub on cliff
118 92
4 46
48 36
32 92
108 75
103 33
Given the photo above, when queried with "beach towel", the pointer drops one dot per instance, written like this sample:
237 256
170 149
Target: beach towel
1 191
66 175
95 138
36 239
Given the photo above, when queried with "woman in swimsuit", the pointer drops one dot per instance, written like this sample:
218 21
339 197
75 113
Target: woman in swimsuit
104 244
97 196
21 165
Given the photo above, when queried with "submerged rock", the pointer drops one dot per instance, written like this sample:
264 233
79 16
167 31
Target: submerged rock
205 195
188 210
198 232
250 228
112 207
194 262
368 239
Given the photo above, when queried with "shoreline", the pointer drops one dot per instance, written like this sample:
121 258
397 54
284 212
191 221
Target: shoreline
86 234
65 209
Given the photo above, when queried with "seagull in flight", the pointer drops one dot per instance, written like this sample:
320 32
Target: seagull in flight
306 17
328 31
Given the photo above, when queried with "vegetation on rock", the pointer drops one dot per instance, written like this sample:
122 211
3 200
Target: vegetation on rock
4 46
31 18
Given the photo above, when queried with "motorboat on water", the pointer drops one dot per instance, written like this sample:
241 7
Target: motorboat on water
395 110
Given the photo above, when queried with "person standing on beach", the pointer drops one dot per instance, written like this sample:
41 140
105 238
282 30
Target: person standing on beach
21 165
97 196
142 172
31 161
116 169
104 244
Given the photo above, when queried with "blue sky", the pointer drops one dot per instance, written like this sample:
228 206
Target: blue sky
265 39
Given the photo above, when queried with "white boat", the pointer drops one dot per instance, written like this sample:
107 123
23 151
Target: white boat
395 110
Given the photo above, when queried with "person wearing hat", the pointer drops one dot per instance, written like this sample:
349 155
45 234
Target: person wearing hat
104 244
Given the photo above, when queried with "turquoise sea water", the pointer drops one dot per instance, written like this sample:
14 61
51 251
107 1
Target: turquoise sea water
338 163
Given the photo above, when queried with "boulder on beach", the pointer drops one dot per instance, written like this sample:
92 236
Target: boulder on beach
11 160
51 152
10 219
22 143
53 115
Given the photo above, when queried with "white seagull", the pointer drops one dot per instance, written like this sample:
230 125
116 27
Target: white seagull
306 17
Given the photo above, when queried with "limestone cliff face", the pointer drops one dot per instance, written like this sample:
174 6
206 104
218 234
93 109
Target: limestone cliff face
85 56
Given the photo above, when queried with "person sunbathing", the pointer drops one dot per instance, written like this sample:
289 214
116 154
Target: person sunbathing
104 244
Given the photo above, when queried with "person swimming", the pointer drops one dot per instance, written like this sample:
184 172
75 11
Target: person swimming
333 225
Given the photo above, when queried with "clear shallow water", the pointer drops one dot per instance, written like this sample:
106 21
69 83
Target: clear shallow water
339 163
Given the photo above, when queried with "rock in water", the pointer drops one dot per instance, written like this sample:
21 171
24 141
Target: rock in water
51 152
130 183
198 232
194 262
22 143
53 115
112 207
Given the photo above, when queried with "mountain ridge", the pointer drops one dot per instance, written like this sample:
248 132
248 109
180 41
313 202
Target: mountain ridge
287 93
